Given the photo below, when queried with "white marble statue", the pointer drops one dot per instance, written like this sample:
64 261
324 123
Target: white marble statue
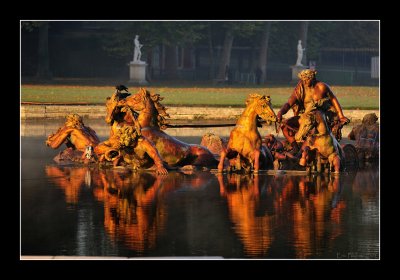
299 54
136 52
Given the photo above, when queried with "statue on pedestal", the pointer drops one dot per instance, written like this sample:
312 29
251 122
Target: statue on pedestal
137 54
299 54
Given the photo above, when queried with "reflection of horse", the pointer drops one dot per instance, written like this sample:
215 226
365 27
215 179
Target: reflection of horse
152 120
245 140
320 142
136 205
242 193
131 210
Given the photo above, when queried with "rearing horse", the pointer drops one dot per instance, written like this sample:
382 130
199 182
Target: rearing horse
321 139
245 140
152 120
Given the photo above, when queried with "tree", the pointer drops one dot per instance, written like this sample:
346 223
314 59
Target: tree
210 51
223 69
43 67
262 58
232 30
43 70
353 34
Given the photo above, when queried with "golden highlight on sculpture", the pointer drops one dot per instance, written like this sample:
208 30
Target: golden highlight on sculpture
138 138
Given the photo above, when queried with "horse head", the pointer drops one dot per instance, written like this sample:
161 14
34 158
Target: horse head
262 106
149 104
139 100
307 121
112 108
117 109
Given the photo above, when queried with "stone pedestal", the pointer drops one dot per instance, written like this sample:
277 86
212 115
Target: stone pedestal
137 73
295 71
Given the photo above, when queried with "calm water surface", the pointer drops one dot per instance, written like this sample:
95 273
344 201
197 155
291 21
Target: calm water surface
87 211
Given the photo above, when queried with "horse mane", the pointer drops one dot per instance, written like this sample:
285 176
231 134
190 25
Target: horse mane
262 99
161 110
252 97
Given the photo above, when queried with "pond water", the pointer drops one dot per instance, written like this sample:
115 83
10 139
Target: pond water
79 211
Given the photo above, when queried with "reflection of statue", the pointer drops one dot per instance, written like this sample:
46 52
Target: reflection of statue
136 205
78 138
70 180
317 212
127 215
254 228
137 54
299 54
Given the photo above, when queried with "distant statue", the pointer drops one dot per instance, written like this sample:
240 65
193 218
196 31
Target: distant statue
137 54
299 54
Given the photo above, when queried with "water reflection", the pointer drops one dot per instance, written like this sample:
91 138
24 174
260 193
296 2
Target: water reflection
282 216
69 179
131 209
304 207
253 225
135 208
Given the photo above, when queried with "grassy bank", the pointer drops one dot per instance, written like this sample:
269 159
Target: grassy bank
350 97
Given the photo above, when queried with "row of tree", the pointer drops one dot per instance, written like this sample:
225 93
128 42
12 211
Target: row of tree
275 37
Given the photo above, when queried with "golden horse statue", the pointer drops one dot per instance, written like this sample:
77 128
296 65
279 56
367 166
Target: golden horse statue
152 122
319 144
245 143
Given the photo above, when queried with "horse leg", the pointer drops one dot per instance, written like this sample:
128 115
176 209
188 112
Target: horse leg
319 165
222 160
304 154
256 160
334 161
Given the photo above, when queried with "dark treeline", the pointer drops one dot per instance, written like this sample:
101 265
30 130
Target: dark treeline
195 50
